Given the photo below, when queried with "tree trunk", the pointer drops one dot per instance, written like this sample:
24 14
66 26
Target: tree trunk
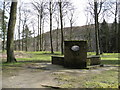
71 30
57 35
116 30
41 31
3 26
23 41
10 33
19 29
23 35
61 21
116 36
96 27
51 27
34 40
119 32
26 42
43 35
15 43
38 38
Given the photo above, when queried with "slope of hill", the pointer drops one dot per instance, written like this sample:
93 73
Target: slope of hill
78 33
86 32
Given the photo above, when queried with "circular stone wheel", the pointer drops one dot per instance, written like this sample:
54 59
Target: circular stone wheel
75 48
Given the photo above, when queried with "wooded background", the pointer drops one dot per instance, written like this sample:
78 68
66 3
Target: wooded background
31 36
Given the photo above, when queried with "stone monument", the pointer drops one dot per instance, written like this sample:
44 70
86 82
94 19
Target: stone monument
75 54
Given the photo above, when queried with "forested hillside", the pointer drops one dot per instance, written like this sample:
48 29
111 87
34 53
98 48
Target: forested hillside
86 32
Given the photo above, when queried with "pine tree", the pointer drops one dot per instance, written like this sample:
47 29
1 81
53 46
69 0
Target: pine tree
26 37
104 36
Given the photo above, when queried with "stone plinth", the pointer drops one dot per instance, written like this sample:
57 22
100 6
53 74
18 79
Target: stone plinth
94 60
75 54
57 60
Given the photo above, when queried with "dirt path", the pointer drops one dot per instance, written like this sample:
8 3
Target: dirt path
41 75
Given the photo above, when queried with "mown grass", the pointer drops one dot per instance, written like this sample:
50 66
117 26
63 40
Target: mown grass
106 58
110 58
39 56
28 57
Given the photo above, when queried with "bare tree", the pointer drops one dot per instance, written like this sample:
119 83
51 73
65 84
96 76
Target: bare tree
114 11
88 25
96 27
38 37
10 33
64 7
19 15
51 9
27 34
51 12
34 39
71 17
42 40
57 32
116 25
24 22
3 26
61 23
40 6
6 7
119 28
95 10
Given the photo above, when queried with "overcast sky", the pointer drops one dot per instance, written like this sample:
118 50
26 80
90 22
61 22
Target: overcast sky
80 17
80 14
80 6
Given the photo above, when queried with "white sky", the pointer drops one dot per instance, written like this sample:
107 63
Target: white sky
80 18
80 6
80 15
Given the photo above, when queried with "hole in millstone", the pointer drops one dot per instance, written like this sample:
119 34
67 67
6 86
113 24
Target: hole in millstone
75 48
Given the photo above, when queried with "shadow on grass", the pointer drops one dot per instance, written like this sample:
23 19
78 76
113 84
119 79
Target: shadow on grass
39 61
110 62
47 54
22 62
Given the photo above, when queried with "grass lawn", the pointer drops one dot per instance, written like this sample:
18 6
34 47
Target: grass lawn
110 58
38 56
107 58
45 56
